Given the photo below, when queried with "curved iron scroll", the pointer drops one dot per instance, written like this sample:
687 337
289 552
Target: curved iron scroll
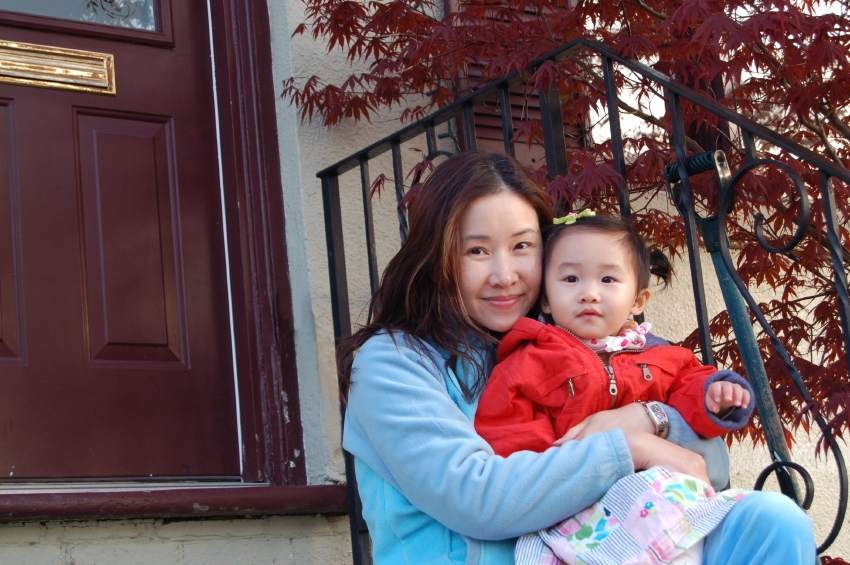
807 480
727 195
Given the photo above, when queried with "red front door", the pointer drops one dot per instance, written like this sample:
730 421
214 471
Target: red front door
115 360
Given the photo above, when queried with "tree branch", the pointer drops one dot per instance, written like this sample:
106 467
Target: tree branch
819 131
834 120
651 11
626 18
648 118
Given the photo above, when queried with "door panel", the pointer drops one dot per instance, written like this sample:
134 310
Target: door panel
12 346
133 261
129 368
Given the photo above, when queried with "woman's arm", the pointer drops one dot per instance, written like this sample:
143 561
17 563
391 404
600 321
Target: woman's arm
402 423
633 417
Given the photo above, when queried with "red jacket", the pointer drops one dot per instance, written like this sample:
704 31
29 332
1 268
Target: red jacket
546 381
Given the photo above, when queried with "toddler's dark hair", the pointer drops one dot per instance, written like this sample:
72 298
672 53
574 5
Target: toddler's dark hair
646 261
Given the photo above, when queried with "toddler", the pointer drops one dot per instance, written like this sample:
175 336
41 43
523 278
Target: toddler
591 357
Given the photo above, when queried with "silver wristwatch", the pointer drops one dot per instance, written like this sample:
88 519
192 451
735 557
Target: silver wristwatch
658 416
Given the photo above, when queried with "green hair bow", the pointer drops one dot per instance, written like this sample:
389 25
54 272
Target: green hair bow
573 216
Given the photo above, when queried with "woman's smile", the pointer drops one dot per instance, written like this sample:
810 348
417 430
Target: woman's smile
504 301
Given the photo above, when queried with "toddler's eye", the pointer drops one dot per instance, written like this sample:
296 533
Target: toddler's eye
607 279
571 279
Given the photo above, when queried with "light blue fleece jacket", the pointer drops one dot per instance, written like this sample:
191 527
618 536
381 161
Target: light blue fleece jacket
432 489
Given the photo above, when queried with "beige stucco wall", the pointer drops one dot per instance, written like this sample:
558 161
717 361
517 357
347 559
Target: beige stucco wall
307 147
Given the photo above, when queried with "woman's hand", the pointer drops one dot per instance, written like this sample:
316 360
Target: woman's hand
632 417
650 451
647 450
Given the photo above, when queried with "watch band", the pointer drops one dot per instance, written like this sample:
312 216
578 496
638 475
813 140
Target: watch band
658 416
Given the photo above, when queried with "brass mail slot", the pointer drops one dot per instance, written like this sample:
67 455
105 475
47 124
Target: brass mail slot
55 67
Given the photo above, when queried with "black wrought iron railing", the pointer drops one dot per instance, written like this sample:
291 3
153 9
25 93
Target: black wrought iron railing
739 301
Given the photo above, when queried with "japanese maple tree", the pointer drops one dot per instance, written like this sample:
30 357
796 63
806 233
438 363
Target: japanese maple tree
782 63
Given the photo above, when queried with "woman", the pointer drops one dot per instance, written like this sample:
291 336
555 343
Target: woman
432 489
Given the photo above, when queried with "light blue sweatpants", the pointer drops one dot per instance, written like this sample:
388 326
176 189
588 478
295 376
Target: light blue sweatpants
763 528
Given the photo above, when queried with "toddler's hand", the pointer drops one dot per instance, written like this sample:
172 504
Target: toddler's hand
723 395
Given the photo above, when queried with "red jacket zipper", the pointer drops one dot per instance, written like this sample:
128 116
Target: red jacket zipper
613 390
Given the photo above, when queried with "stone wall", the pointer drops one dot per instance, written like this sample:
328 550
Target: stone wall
285 540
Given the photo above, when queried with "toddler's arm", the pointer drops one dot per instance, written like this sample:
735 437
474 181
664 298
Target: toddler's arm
690 393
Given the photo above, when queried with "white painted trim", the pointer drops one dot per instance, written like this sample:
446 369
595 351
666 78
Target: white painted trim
241 447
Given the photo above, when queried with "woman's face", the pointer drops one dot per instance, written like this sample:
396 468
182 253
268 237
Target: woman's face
500 259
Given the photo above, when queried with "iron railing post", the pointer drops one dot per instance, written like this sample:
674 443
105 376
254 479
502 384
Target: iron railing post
360 548
398 179
830 212
469 127
553 131
617 150
691 230
369 225
431 139
336 256
738 315
507 119
751 358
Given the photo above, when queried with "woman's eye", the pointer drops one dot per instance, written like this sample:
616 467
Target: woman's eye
571 279
523 245
476 251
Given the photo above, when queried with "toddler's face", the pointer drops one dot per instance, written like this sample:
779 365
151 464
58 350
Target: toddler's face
590 284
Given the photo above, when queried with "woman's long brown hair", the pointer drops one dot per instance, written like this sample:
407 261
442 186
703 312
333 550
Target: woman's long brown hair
419 292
